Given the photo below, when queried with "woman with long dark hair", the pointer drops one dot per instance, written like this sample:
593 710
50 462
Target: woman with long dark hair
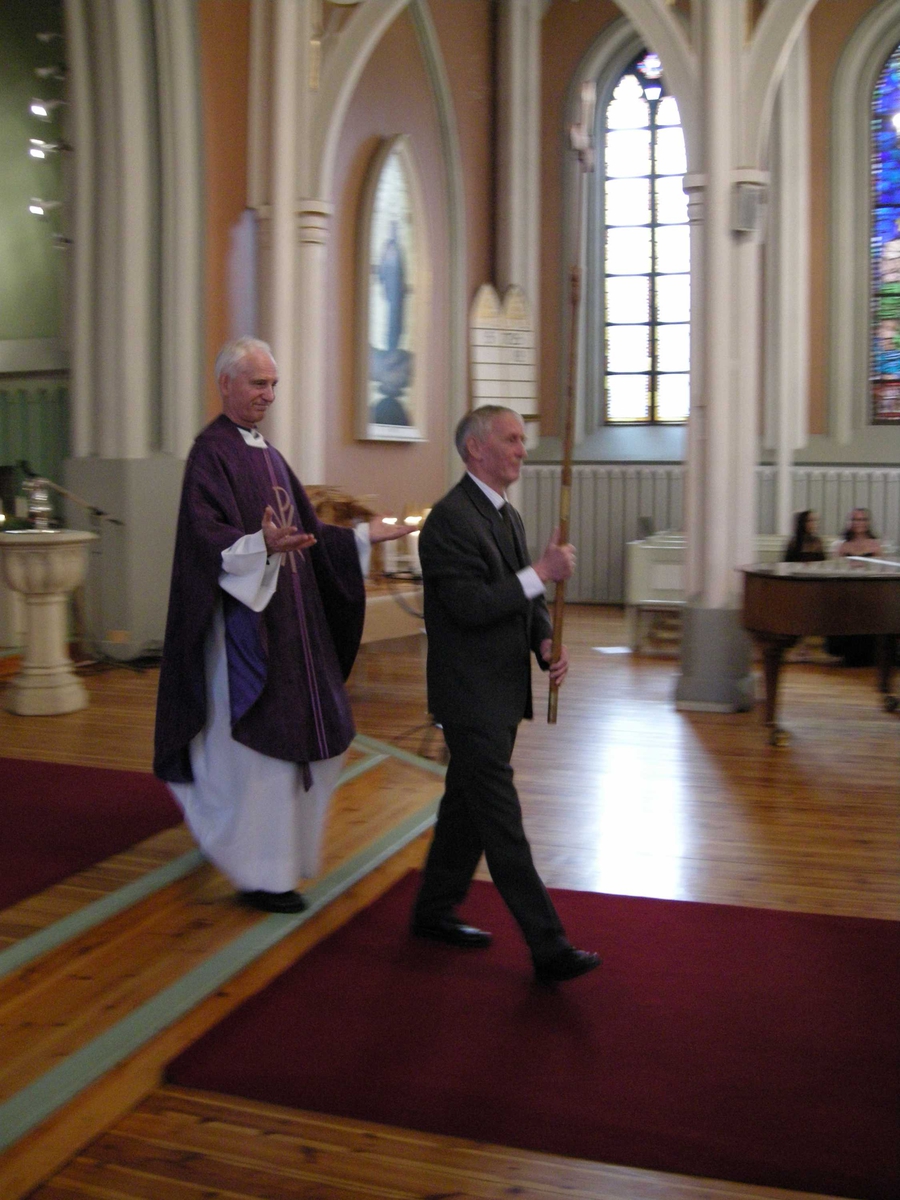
805 545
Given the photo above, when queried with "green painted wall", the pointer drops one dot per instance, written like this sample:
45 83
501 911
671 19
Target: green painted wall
31 268
34 421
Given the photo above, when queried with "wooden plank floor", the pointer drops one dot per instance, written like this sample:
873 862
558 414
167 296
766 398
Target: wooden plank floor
623 795
69 996
181 1145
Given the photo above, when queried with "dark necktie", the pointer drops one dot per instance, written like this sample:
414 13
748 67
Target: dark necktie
506 517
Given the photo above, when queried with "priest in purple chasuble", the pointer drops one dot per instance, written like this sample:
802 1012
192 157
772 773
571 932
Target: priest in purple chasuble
265 617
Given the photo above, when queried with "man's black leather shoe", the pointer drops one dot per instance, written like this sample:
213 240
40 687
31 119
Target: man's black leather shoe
567 964
275 902
454 933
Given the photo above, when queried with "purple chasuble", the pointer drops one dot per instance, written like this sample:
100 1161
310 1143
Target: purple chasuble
287 664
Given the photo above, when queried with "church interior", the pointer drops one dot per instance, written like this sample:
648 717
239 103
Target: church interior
667 234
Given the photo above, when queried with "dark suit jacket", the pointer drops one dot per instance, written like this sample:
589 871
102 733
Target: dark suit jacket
479 623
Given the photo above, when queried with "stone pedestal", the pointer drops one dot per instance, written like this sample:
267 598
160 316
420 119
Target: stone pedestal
45 566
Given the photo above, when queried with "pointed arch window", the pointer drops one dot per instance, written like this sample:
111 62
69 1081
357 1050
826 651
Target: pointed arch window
645 251
884 372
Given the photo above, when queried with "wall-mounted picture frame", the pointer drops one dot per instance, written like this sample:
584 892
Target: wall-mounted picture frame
394 299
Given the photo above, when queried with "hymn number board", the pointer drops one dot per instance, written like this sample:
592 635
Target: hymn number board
501 340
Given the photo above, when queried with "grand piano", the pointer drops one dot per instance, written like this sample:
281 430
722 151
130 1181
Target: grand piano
786 601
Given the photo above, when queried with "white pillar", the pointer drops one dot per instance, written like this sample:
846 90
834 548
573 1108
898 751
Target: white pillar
787 274
694 508
721 63
181 263
131 329
308 450
137 300
722 447
136 317
518 157
281 240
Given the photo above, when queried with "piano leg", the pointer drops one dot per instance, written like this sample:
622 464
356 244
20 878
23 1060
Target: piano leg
773 646
886 654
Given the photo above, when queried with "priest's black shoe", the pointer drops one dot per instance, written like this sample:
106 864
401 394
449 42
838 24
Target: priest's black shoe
275 902
453 932
567 964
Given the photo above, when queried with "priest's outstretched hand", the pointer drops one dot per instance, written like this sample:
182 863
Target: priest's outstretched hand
381 530
281 539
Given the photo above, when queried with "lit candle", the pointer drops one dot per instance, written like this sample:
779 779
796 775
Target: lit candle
414 564
389 551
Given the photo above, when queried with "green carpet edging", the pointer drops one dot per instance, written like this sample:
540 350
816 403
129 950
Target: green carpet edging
98 911
56 1087
414 760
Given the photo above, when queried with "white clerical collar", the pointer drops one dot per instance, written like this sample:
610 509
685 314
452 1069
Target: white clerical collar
495 498
252 437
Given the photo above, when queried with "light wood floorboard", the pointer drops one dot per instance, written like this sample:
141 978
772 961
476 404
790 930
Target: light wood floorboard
623 795
182 1145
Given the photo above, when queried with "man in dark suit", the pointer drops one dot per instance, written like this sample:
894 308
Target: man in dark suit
484 613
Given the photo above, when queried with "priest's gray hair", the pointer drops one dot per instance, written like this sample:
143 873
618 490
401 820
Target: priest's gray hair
234 352
477 424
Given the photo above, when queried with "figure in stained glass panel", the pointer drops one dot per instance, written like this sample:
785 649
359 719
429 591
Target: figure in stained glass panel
885 245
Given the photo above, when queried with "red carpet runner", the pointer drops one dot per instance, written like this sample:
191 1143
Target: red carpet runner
741 1044
56 820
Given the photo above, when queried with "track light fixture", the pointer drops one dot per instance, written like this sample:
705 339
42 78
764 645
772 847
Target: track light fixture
57 73
38 148
40 208
43 109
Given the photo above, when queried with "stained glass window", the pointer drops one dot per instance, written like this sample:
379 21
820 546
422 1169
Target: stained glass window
885 302
646 252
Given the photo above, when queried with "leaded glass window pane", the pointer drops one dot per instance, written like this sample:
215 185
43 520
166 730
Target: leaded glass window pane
671 202
627 398
646 260
629 109
673 249
885 245
628 153
628 251
673 397
628 202
628 299
673 298
667 113
628 347
670 155
673 347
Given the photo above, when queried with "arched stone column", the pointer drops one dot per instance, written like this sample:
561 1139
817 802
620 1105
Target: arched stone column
724 73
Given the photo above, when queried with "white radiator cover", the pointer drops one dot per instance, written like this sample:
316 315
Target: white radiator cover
609 500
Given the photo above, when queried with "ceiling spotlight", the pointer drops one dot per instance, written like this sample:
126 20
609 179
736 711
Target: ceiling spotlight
40 208
44 108
56 73
48 36
40 149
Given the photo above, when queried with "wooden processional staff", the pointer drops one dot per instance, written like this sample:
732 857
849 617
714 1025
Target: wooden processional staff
581 137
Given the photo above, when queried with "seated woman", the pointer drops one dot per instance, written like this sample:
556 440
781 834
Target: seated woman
805 545
859 540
